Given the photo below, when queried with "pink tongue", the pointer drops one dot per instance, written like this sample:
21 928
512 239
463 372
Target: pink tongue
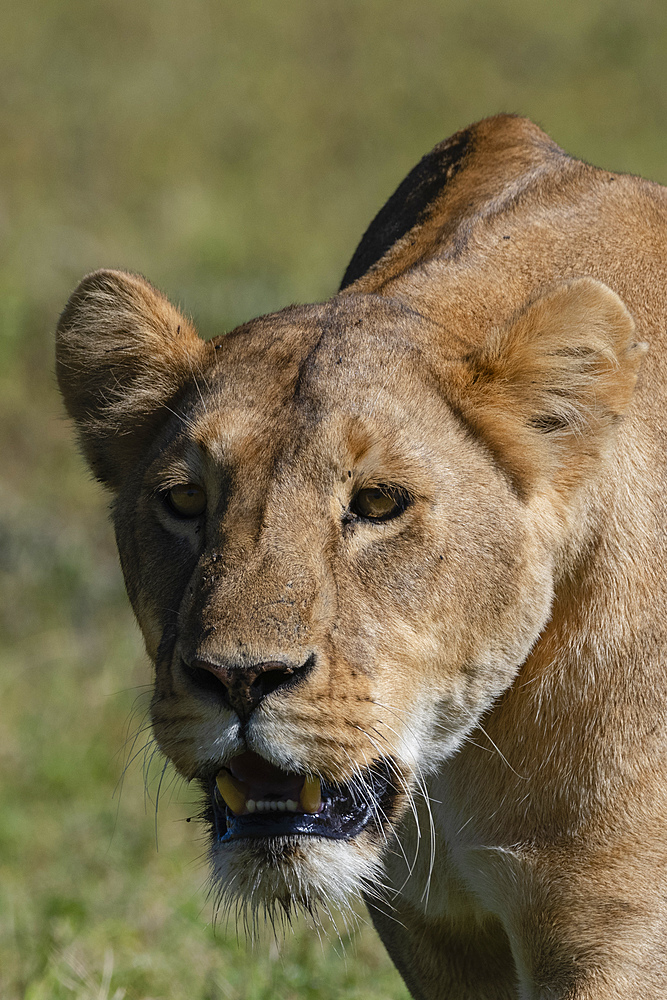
263 779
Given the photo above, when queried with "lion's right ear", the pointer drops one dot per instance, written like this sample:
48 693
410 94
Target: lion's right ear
548 390
123 352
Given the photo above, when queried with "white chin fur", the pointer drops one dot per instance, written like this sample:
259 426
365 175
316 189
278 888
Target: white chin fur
280 876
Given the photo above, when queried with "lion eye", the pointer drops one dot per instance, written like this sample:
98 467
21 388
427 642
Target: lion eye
378 503
187 500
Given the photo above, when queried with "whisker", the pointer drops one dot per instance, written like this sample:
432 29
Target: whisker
411 803
421 784
502 756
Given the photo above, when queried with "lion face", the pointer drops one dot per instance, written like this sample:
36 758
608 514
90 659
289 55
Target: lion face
334 571
334 638
334 579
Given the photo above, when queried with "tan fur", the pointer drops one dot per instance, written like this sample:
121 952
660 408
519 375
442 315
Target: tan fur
504 640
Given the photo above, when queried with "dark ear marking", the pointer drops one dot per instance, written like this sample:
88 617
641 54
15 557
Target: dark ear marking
410 203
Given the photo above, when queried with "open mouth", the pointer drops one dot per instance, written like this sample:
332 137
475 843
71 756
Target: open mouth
253 798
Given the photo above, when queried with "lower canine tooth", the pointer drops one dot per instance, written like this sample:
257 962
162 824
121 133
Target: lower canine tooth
232 795
310 799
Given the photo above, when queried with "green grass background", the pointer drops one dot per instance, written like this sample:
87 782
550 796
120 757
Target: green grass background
233 152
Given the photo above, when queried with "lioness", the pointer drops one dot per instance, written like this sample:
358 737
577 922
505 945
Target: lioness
398 559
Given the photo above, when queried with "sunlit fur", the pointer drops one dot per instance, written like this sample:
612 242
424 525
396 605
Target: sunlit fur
496 356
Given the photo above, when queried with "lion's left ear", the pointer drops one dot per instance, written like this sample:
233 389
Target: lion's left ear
546 392
123 354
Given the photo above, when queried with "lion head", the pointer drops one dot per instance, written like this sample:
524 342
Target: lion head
342 525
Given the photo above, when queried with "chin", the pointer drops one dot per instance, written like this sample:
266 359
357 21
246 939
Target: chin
280 876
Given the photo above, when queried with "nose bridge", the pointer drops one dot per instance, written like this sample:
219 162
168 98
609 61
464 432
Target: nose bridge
263 591
260 605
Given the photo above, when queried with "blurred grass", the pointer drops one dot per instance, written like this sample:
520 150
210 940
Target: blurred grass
233 153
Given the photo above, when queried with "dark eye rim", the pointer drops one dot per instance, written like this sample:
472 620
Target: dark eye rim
400 496
165 496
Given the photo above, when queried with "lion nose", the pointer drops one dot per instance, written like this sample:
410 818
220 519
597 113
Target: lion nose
243 687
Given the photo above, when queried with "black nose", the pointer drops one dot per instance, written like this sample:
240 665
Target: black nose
243 687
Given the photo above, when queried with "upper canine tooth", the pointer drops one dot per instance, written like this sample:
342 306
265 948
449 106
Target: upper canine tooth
230 792
310 799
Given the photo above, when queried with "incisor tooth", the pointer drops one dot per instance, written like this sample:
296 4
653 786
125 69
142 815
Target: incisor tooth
232 795
310 799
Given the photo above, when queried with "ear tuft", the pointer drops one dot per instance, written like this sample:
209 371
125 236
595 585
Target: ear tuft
122 353
548 389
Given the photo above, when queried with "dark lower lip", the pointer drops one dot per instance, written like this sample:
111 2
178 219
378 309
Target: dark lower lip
346 811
